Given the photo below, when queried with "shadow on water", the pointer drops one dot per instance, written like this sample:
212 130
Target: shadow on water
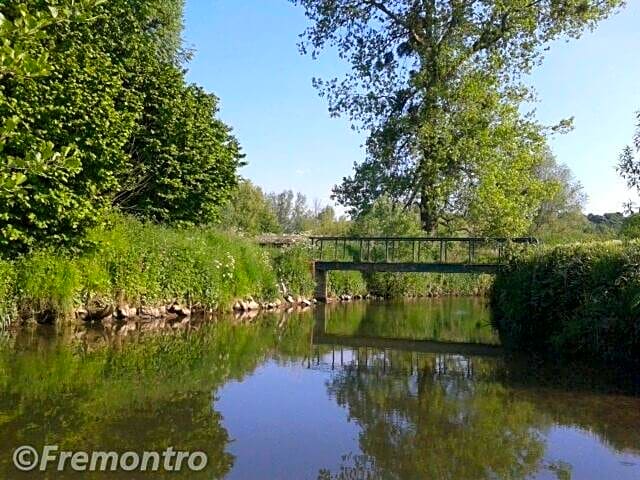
363 390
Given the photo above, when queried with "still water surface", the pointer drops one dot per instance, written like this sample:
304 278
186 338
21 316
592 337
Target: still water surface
412 390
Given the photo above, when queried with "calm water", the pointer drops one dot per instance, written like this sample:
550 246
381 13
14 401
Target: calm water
409 390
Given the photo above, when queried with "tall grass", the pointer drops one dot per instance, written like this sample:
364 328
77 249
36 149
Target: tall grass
578 300
427 284
140 263
7 292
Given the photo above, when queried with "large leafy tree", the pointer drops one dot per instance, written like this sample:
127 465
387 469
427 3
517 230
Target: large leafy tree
95 112
435 83
182 160
63 123
250 212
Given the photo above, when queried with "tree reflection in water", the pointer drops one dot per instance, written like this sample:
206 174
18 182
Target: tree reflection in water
426 415
435 416
420 414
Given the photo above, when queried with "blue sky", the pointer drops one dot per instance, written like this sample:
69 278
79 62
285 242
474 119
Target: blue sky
246 53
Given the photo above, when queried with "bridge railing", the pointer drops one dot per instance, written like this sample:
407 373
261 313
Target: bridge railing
443 250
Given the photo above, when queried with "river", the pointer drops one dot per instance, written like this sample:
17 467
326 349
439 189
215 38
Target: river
365 390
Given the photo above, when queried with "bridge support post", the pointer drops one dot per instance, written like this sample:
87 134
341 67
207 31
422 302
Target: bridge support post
321 284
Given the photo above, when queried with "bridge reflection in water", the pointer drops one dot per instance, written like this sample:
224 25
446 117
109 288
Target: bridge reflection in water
380 353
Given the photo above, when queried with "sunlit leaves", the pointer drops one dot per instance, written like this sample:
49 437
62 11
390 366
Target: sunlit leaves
431 83
629 161
93 104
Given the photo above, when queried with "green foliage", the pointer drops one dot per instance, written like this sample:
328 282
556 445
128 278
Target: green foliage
508 193
437 87
397 285
95 111
631 227
386 218
607 222
140 264
7 291
249 211
183 160
293 265
350 283
578 300
49 187
565 206
291 210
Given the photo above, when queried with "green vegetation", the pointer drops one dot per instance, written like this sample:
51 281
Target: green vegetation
139 263
437 87
449 152
293 266
132 134
578 300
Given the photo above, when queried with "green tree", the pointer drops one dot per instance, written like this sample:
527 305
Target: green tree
95 111
63 125
386 218
629 162
249 211
291 210
631 227
560 217
433 82
182 159
569 196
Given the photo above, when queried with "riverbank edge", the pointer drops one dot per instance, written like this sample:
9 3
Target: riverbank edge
131 267
578 301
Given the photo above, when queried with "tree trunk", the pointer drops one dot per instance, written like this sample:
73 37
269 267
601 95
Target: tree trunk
428 211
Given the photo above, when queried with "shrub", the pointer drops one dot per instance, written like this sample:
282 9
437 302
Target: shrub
427 284
351 283
578 300
293 266
7 291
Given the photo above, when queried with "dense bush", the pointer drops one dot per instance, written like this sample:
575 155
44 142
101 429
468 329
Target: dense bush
7 291
578 300
293 266
346 282
427 284
94 112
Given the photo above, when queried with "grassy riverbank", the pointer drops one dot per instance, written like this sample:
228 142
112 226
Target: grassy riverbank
136 263
578 300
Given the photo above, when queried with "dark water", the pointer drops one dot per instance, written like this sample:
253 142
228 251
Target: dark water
402 391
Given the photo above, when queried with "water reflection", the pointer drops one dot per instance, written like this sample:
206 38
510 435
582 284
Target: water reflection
364 390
